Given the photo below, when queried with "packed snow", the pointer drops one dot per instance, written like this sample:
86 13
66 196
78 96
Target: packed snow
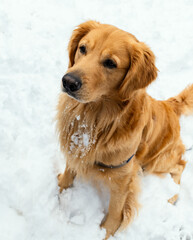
33 58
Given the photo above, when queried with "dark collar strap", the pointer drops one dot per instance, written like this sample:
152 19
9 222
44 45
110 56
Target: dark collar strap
100 164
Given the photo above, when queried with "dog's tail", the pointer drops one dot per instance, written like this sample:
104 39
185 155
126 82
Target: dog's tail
183 102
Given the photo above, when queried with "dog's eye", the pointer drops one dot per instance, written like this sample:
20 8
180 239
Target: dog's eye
82 49
108 63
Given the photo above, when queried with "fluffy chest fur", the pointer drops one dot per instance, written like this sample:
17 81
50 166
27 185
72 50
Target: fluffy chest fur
76 133
98 133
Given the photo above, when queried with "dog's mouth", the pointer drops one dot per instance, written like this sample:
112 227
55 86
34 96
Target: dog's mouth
70 94
75 87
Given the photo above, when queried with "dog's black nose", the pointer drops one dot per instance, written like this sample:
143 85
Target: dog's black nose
71 82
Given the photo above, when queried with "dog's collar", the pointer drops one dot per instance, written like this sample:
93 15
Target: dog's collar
100 164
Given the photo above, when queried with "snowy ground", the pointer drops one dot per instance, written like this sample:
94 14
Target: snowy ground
33 58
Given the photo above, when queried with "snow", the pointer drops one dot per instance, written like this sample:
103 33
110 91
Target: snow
82 139
85 139
78 117
33 58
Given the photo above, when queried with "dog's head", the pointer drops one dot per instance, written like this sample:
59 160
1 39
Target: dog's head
106 62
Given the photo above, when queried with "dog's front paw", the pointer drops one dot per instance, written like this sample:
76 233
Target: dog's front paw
61 182
65 180
111 225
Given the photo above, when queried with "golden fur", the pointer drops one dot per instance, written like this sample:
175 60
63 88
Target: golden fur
112 117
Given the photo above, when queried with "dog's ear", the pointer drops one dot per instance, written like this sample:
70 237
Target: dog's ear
142 70
77 34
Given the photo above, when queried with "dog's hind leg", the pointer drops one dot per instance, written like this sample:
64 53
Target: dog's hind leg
176 173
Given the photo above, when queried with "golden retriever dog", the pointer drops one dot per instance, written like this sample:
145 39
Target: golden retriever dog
110 129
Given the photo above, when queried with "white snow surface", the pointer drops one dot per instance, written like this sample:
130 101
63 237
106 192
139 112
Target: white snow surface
33 58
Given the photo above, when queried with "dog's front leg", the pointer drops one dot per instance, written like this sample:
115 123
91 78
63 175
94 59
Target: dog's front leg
114 217
66 179
123 204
